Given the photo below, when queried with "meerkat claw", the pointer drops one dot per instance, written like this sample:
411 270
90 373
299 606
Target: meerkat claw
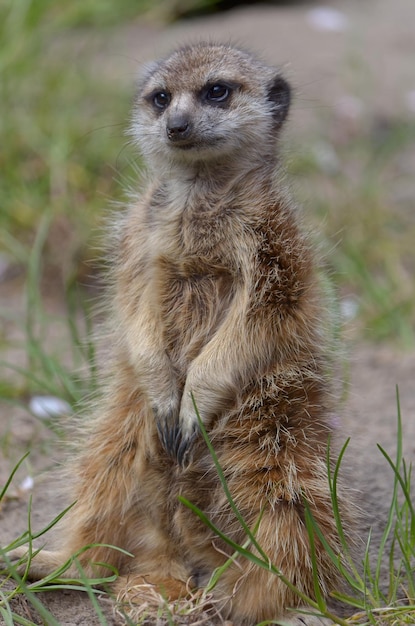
176 441
184 448
169 432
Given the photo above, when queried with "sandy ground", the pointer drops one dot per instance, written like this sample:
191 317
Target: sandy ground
380 35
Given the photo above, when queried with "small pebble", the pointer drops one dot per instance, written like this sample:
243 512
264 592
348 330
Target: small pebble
349 308
327 19
44 407
27 484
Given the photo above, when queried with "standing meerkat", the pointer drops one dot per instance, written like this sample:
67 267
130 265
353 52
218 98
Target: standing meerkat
216 297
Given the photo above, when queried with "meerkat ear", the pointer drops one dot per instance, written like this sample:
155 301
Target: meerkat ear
279 92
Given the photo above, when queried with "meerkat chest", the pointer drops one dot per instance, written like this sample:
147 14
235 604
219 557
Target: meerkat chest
192 262
193 287
189 220
193 296
208 232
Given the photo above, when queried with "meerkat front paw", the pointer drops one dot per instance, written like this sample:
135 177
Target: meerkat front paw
175 441
189 429
176 434
167 422
188 434
177 428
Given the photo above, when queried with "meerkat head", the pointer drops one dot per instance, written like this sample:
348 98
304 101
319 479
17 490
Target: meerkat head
206 102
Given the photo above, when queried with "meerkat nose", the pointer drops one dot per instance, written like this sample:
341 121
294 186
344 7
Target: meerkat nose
178 128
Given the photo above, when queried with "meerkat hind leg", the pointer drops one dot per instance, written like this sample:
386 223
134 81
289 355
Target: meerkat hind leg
133 586
149 593
42 563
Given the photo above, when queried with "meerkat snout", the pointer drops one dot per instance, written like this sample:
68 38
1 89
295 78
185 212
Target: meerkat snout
178 127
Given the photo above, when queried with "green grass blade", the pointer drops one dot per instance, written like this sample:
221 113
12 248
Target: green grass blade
224 484
335 558
403 486
40 383
10 478
22 588
389 523
87 585
311 537
5 610
10 619
33 305
333 488
217 573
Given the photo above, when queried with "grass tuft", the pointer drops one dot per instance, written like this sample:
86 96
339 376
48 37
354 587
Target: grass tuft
369 601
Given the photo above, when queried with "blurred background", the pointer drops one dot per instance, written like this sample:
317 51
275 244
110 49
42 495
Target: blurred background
67 79
68 70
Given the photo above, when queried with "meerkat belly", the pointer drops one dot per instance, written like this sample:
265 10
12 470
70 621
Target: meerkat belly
194 299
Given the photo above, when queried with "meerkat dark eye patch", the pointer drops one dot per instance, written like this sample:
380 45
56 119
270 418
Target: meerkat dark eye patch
279 92
159 99
217 93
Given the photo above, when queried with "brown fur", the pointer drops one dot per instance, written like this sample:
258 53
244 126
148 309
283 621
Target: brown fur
215 294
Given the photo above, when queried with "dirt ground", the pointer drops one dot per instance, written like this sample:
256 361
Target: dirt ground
378 32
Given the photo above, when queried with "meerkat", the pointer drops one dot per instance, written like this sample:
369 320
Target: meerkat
216 302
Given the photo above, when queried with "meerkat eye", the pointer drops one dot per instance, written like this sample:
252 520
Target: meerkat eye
218 93
161 99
